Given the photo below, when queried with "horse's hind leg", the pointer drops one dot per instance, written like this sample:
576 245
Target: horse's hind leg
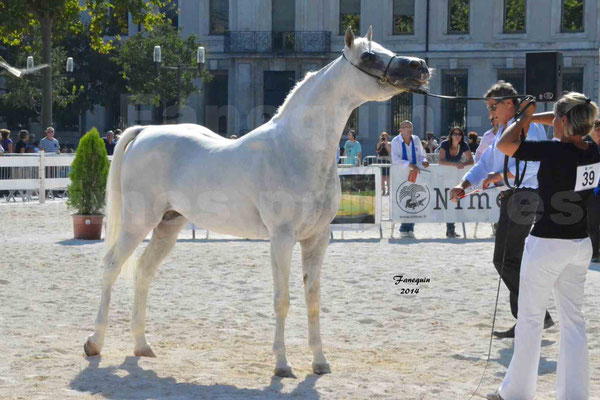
162 242
113 262
313 252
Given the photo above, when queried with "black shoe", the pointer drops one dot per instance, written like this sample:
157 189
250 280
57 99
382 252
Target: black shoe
505 334
548 322
450 234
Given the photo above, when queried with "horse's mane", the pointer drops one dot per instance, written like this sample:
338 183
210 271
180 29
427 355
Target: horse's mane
297 86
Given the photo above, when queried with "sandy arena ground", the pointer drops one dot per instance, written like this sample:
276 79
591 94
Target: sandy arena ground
210 319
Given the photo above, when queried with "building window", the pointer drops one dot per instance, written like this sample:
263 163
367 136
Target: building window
515 77
352 123
572 16
402 106
458 16
573 80
350 16
404 17
283 23
277 84
515 16
454 112
217 102
219 17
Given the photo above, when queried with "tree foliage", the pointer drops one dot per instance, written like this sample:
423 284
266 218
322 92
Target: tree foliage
149 85
89 173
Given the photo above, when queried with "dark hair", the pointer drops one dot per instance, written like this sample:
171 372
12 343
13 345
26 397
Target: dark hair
501 89
352 132
473 136
597 124
23 134
456 128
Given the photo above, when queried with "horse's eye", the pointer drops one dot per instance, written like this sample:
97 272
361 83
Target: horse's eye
368 56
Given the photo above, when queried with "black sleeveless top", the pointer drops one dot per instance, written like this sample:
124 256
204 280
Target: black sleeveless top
563 210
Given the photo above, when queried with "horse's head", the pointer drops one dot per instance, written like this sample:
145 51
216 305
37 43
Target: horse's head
385 73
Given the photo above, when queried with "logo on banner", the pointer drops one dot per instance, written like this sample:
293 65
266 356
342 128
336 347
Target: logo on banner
412 198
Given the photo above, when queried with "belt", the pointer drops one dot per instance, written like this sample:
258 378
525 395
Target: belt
510 192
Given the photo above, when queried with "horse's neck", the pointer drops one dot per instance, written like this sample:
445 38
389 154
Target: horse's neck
315 115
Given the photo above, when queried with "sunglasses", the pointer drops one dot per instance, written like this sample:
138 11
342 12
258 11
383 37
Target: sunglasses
494 106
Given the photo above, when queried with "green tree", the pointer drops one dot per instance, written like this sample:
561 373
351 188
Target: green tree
161 87
57 19
21 101
572 15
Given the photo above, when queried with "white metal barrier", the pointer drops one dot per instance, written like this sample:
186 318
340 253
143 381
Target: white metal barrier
27 174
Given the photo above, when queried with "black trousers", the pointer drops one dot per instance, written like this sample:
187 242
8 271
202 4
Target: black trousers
517 214
593 216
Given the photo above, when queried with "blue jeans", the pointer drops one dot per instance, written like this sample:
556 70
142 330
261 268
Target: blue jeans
407 227
450 227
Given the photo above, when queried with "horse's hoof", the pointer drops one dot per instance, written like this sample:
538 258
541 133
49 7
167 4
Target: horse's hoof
321 369
145 351
284 372
91 348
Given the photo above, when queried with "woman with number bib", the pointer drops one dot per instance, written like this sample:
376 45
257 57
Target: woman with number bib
558 250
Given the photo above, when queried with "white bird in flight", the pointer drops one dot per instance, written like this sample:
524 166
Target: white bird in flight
20 72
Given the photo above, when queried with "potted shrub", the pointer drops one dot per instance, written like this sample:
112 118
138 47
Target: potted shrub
89 172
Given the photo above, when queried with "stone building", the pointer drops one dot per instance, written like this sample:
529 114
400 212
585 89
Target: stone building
258 49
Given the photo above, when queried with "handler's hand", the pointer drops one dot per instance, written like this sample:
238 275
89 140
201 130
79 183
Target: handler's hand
530 109
492 178
455 193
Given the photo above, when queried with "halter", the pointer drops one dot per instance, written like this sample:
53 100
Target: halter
383 78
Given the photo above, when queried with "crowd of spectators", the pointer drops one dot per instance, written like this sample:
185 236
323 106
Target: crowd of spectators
455 150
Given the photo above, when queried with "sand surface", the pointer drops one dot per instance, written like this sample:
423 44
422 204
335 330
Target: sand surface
210 318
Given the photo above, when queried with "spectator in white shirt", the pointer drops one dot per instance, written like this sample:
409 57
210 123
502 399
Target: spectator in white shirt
486 140
407 150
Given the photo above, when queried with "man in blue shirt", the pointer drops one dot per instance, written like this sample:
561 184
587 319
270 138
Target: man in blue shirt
517 207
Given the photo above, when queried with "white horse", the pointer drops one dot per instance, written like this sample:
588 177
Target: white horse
279 181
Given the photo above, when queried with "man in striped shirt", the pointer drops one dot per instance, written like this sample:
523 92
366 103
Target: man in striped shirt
49 144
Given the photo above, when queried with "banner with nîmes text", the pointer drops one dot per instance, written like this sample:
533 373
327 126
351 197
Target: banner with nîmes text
428 199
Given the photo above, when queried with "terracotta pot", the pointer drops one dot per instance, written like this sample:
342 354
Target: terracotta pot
87 227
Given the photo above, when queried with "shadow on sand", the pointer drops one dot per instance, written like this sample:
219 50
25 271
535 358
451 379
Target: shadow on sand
505 355
130 381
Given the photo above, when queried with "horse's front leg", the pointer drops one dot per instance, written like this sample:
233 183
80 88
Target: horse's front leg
282 244
313 252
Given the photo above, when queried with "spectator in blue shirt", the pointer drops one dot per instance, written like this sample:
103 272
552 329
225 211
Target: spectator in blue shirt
352 150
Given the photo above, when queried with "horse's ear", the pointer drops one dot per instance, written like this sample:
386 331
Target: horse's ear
349 37
369 34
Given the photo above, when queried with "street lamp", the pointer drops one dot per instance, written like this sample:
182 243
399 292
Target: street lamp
200 61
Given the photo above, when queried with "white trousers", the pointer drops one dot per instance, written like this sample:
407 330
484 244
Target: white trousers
559 264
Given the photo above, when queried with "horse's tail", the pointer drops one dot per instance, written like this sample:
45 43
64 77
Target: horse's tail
114 196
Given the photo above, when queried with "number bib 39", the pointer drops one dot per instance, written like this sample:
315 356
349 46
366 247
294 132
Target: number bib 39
587 177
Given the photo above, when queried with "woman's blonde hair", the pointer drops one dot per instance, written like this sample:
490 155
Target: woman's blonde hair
580 111
384 133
